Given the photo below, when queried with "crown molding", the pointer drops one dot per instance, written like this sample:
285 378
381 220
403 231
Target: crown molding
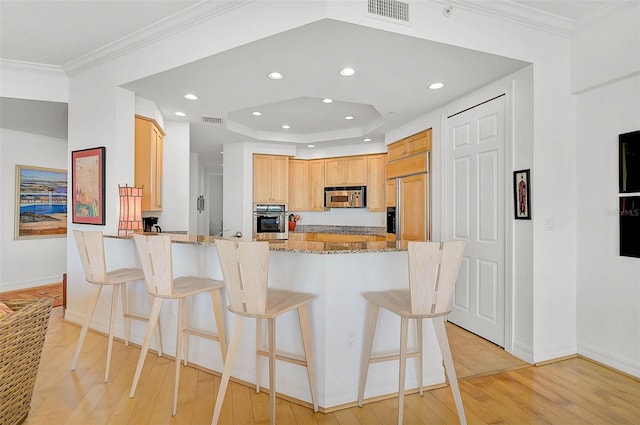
509 11
173 24
37 68
592 17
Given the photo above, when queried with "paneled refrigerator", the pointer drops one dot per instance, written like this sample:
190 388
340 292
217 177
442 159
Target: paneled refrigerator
409 209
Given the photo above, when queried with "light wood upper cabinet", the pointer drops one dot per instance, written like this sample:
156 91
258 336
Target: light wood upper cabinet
306 185
298 186
148 162
414 215
315 185
346 171
376 182
270 178
419 142
391 192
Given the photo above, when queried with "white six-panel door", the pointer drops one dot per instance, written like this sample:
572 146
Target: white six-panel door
475 212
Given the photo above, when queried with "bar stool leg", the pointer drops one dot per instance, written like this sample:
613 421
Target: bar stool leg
228 366
112 322
258 348
367 347
153 322
180 341
420 357
158 336
271 324
404 322
85 325
125 313
185 342
305 328
443 342
216 301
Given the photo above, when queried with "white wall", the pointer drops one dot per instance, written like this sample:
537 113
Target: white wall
27 262
35 82
608 286
175 181
213 201
552 139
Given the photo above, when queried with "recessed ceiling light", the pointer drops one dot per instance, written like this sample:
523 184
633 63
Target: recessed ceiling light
256 113
436 86
191 96
366 140
311 146
180 114
347 72
327 100
286 127
348 117
275 76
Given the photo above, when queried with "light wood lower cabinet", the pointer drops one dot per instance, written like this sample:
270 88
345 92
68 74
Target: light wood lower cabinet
148 162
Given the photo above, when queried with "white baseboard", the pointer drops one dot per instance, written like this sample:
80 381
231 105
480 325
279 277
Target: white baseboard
30 283
623 364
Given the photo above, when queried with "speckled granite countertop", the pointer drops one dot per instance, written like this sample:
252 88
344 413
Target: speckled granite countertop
294 246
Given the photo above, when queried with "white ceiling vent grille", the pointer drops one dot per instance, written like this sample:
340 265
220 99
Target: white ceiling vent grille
392 9
211 120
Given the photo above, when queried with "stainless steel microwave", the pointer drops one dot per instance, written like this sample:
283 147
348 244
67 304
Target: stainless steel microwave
345 197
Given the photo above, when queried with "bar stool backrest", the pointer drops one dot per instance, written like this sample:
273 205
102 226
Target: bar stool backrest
155 256
245 269
91 249
433 271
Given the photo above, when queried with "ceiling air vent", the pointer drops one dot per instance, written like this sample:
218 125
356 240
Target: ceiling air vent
211 120
389 9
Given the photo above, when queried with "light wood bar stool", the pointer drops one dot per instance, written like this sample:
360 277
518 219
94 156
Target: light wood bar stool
91 249
245 268
433 271
157 264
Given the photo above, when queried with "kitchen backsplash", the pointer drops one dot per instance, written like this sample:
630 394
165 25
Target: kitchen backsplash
353 230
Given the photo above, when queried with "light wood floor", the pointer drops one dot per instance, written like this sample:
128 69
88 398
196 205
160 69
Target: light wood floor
573 391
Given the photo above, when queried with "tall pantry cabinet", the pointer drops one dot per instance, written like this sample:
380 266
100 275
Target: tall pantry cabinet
148 162
408 187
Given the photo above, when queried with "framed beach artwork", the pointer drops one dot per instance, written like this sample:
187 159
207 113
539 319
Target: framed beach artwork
522 194
41 202
87 184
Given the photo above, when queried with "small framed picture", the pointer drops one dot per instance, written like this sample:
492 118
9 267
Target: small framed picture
87 175
41 202
522 195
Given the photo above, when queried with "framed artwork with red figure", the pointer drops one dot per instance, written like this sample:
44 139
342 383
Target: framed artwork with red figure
522 195
87 177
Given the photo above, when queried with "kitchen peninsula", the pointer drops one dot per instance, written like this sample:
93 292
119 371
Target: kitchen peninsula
337 273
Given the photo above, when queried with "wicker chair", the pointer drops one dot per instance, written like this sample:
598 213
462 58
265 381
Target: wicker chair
21 339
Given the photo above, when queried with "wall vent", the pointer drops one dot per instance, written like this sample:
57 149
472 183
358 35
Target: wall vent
389 9
211 120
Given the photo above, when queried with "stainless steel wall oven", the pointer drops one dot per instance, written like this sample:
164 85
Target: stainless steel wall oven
270 221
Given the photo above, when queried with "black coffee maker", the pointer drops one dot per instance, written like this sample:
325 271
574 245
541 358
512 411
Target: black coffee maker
151 224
